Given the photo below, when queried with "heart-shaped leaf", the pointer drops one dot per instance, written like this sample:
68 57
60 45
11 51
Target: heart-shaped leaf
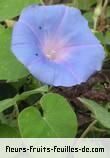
10 68
58 120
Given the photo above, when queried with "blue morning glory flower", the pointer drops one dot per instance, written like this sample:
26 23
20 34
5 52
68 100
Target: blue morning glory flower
56 45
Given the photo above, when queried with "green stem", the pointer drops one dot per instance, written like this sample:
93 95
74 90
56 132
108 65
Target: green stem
99 11
88 129
42 2
16 110
98 129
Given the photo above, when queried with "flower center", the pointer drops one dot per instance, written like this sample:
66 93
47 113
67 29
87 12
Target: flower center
55 51
51 54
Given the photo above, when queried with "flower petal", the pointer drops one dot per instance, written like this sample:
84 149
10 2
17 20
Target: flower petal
25 45
45 20
74 29
52 73
42 71
85 60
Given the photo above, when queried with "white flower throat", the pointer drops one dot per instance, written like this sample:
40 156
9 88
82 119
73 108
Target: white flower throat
51 54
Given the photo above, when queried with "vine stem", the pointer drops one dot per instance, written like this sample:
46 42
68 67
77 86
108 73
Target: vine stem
99 130
88 129
16 109
99 11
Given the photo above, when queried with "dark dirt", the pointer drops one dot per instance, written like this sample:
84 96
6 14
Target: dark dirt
87 90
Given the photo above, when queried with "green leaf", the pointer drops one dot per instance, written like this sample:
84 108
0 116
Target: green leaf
7 103
4 104
10 8
58 120
89 16
107 38
10 68
85 4
100 36
8 132
101 114
108 12
26 94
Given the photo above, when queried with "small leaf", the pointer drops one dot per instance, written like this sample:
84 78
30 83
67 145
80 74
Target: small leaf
101 114
89 16
85 4
100 36
10 68
8 132
58 120
107 38
108 12
8 9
